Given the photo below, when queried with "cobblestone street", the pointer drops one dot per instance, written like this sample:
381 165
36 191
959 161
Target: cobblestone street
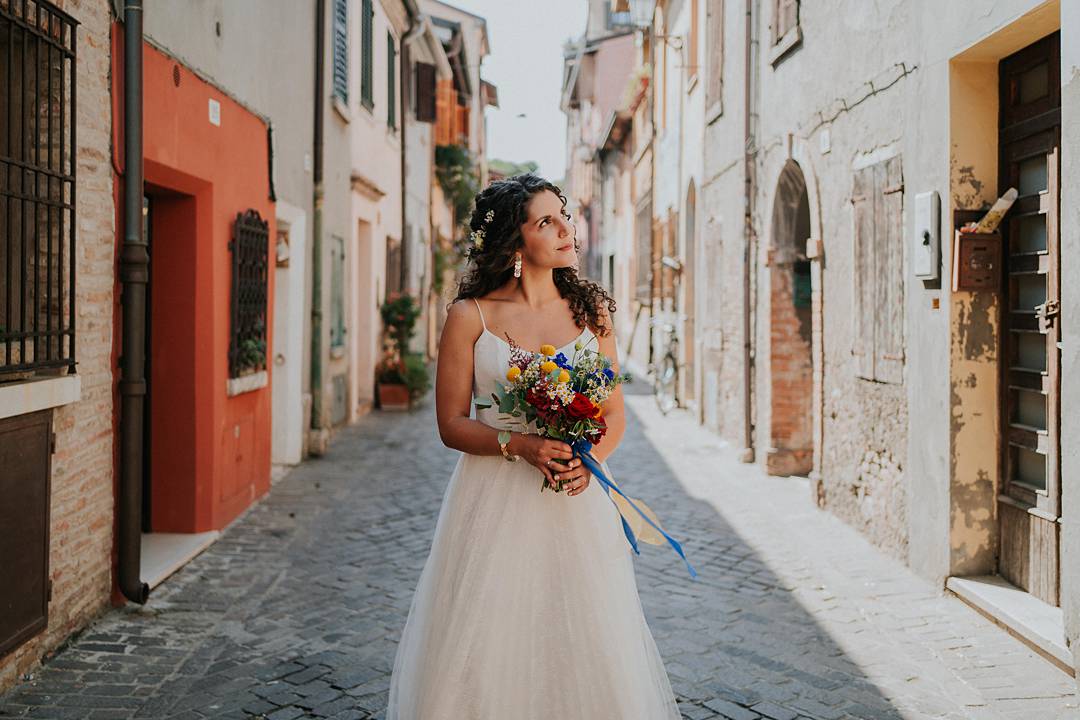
296 610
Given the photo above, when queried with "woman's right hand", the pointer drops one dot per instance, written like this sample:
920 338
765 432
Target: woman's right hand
538 451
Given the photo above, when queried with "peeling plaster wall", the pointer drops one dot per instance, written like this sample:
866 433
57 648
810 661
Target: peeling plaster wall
973 320
907 464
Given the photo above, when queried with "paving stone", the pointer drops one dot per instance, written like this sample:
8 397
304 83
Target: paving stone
296 610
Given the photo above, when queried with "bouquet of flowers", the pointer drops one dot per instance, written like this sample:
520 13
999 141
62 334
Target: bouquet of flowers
564 397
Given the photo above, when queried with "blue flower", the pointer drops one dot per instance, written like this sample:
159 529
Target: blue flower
562 362
608 373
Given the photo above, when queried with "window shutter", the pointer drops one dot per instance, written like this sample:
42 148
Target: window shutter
391 81
425 92
889 261
862 202
337 291
714 52
341 50
367 13
785 17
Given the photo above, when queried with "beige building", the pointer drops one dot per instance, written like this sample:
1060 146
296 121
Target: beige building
924 380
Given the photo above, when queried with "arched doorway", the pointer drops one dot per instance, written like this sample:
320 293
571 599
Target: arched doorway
791 365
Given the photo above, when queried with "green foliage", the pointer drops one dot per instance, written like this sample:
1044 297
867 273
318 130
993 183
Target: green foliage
399 314
507 168
251 353
416 375
455 170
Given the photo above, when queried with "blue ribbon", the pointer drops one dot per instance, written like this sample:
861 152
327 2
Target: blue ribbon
581 449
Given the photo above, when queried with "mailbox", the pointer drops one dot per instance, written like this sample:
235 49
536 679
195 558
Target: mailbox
976 262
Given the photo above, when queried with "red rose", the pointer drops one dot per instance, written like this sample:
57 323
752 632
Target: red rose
581 407
595 435
538 399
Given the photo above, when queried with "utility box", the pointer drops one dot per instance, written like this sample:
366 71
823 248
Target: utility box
926 238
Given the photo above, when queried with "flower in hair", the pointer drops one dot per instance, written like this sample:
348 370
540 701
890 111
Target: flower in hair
477 236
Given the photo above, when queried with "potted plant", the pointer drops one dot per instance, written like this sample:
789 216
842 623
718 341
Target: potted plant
390 373
399 376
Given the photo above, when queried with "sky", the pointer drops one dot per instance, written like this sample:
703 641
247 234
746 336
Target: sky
525 64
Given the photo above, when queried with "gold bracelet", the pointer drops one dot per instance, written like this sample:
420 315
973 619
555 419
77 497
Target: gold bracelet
504 440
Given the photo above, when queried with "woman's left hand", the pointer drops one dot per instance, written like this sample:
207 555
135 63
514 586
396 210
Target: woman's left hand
573 475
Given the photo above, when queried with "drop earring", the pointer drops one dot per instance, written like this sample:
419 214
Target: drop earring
517 265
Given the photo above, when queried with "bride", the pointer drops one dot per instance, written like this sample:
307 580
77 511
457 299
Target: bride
527 607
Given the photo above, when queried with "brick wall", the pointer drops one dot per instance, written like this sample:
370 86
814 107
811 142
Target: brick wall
791 372
81 532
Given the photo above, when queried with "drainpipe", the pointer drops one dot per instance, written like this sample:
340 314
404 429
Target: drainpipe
134 275
316 228
653 300
748 240
416 27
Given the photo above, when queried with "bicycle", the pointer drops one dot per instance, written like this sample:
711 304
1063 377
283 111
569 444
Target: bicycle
665 371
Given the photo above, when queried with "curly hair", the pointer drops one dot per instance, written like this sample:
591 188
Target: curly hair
491 265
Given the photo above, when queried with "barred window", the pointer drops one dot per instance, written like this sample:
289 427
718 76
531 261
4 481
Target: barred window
250 258
37 189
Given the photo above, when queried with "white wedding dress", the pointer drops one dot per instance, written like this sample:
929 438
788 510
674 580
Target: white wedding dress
527 607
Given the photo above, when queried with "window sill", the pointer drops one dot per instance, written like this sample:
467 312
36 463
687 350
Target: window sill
342 109
792 38
34 395
247 383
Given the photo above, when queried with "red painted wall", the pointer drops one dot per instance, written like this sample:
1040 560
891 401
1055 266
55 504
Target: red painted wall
210 454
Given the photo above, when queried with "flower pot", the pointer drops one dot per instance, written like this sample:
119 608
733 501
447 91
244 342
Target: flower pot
393 396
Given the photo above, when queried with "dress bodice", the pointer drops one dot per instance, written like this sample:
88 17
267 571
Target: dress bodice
491 358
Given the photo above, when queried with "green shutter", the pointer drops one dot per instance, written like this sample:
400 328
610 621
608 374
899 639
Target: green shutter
367 15
341 51
391 81
337 291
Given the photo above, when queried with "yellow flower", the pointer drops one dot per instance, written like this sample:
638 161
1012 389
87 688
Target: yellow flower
547 366
513 373
564 376
547 349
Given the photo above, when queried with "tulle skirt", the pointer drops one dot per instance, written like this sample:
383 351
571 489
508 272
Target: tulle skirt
526 609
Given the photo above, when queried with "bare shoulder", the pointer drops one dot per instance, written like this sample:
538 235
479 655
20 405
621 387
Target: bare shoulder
463 319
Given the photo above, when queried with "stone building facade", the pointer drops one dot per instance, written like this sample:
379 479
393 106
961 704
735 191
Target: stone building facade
77 542
841 329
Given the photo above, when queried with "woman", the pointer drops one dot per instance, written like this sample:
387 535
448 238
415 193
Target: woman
526 608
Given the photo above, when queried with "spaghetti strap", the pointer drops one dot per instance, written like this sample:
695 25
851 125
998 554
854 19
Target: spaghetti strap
481 313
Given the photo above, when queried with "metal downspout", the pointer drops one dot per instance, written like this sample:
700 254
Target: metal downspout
316 227
134 276
748 240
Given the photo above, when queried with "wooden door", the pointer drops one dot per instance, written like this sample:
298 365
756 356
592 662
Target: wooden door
25 456
1029 502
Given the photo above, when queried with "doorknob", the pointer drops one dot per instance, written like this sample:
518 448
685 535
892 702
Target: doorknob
279 359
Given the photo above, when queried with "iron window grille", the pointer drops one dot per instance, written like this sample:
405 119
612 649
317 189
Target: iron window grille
37 189
250 259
